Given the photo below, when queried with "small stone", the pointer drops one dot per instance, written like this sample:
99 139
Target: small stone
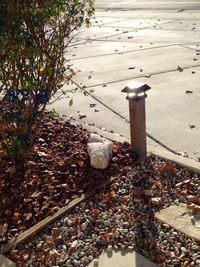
161 233
130 248
197 262
116 247
26 257
148 192
109 249
167 226
90 257
69 222
183 249
64 247
71 230
84 226
74 256
29 263
136 200
107 223
126 225
82 253
85 259
62 262
39 246
76 263
195 247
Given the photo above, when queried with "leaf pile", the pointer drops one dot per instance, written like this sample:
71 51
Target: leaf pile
58 171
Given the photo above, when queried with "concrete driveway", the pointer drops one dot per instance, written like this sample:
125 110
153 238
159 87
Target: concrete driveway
156 42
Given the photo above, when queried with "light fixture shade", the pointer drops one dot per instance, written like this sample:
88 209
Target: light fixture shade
136 88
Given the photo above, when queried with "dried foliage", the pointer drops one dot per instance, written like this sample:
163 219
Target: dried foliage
58 170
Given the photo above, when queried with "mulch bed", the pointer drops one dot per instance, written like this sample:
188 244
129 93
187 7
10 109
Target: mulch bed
58 171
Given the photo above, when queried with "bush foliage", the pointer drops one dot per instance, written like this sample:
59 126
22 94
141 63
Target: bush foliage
34 35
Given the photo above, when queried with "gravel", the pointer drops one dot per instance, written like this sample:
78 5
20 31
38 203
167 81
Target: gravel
120 217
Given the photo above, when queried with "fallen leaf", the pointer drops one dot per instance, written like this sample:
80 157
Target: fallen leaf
188 91
82 116
54 209
70 102
194 200
92 105
180 69
107 197
167 167
28 216
50 255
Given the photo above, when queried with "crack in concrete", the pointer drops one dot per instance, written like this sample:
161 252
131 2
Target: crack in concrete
142 76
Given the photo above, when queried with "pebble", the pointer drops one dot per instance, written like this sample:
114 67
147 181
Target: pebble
39 245
125 222
183 249
69 222
90 257
109 249
64 247
195 248
166 226
107 223
74 256
85 259
26 257
84 226
130 248
76 263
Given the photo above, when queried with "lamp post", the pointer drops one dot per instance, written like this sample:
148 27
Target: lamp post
136 94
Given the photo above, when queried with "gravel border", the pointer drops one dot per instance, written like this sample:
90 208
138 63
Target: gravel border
120 216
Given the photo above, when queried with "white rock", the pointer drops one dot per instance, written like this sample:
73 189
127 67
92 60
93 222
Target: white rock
95 138
100 151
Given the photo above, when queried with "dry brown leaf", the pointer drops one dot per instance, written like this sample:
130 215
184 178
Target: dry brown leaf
28 216
54 209
167 167
53 255
108 197
194 200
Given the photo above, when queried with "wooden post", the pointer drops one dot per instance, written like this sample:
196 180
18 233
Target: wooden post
138 126
136 94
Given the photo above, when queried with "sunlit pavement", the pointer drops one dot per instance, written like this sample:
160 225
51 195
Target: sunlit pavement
156 42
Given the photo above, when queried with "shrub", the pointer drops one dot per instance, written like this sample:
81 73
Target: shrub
34 35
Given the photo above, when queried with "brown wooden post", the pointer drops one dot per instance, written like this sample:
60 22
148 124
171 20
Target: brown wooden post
138 126
136 94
